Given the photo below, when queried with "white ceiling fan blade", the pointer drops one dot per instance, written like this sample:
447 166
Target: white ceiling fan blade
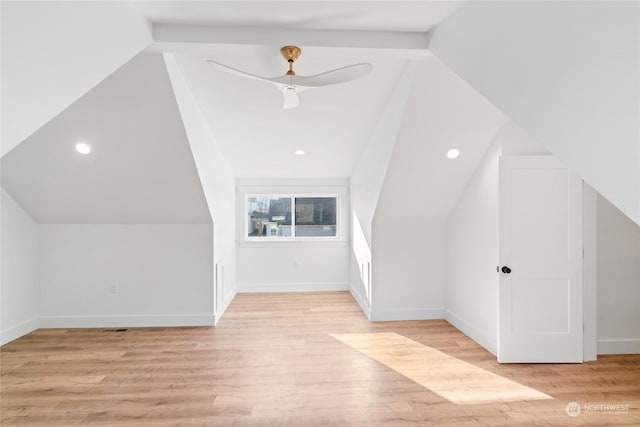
292 84
291 100
279 81
339 75
232 70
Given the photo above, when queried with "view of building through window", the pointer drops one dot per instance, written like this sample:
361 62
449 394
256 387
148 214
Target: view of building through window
316 216
271 216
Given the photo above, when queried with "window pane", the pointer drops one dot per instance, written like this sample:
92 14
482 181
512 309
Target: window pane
316 216
269 216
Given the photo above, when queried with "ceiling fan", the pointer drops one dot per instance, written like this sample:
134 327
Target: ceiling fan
291 83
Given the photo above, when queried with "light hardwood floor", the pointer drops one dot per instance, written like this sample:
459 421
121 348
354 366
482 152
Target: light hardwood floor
272 360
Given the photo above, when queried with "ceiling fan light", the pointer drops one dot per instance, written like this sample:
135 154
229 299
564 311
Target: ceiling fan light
290 99
290 89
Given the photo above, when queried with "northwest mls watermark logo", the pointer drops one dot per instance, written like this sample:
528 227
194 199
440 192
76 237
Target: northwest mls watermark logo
574 408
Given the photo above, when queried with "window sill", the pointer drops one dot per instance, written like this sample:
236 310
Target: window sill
298 243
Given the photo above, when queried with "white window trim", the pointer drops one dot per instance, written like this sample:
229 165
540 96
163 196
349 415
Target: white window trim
293 238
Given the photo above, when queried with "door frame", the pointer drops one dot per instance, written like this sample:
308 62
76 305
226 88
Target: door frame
589 277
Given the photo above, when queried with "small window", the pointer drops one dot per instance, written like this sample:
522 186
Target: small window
290 217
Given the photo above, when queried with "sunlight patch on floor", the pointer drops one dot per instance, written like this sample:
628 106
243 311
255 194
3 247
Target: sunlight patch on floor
455 380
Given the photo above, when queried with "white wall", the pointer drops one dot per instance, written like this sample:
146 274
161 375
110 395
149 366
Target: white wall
366 184
105 275
471 292
218 184
360 283
514 141
293 266
19 277
54 52
368 175
567 72
408 268
618 281
283 266
420 189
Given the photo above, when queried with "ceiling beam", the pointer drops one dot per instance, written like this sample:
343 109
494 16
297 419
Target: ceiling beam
176 38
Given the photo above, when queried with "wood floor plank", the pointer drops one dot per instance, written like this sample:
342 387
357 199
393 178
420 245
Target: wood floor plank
272 361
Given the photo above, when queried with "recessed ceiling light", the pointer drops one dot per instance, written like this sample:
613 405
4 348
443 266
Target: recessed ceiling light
83 148
299 152
453 153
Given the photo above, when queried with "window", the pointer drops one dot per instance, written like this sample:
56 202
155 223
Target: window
316 216
290 217
269 216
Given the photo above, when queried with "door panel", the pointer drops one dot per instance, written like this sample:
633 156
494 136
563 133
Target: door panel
540 226
527 296
549 239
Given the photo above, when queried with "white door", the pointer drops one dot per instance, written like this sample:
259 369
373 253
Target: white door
540 255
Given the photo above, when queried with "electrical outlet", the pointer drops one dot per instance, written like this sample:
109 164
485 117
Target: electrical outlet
114 288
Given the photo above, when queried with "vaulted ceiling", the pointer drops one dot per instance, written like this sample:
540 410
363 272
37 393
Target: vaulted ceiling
68 73
332 124
259 138
140 169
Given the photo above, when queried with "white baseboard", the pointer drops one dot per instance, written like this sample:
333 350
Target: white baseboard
467 328
225 305
14 332
293 287
619 346
129 321
390 314
362 302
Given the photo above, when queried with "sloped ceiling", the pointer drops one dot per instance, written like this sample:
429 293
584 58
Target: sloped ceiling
442 112
54 52
583 107
140 169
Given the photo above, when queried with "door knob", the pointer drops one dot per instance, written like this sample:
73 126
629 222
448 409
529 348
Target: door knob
506 270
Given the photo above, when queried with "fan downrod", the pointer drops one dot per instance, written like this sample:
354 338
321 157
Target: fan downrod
290 54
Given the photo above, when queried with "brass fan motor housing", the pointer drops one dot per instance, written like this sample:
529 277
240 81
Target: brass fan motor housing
290 54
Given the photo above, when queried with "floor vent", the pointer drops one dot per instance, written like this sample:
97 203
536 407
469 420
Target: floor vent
115 330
